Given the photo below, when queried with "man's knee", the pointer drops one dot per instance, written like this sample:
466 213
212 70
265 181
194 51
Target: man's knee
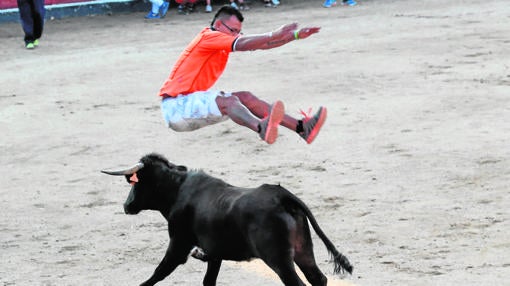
225 103
248 99
244 96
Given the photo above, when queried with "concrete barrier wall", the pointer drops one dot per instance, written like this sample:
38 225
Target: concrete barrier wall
56 9
7 4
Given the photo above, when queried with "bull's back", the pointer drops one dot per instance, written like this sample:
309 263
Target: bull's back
234 217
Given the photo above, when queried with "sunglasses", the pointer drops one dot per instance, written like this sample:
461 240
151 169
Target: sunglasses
235 31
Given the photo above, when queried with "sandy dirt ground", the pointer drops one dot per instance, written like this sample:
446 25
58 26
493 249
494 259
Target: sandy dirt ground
410 176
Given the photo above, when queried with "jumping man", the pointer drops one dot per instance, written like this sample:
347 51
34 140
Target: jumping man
189 104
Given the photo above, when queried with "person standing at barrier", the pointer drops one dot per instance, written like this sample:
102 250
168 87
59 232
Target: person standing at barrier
159 8
31 14
188 103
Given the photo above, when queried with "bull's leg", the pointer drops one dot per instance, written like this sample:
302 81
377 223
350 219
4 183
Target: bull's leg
176 254
277 253
284 267
274 246
303 254
306 262
213 268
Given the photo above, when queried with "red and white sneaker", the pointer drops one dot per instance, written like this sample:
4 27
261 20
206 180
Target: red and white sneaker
312 125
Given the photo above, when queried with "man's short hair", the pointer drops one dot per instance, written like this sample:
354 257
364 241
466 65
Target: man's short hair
227 11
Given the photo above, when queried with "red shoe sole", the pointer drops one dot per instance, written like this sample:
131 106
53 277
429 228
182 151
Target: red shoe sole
275 117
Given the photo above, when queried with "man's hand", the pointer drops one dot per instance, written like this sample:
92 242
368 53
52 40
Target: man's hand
302 33
306 32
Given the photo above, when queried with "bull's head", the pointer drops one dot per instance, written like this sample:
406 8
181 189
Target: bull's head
154 181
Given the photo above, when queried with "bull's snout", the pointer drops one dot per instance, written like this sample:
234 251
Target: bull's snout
131 210
130 205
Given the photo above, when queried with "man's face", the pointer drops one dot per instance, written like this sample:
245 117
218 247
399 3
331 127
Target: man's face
230 25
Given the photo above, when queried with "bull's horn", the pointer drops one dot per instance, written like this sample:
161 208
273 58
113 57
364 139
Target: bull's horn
128 171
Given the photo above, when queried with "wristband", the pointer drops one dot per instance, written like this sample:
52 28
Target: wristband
296 35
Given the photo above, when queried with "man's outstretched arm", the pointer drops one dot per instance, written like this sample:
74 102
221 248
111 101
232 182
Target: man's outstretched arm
280 37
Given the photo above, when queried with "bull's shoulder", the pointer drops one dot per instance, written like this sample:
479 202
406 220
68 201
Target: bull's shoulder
199 178
200 186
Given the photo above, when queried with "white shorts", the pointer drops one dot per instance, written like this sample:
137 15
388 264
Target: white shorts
192 111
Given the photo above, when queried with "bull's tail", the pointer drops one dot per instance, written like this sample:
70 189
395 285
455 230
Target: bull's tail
341 262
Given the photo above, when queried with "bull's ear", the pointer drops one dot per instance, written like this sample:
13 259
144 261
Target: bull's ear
182 168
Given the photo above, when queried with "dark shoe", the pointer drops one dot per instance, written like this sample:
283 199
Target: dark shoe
190 7
312 125
181 10
269 125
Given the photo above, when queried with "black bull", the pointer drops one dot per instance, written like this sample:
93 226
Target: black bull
227 222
